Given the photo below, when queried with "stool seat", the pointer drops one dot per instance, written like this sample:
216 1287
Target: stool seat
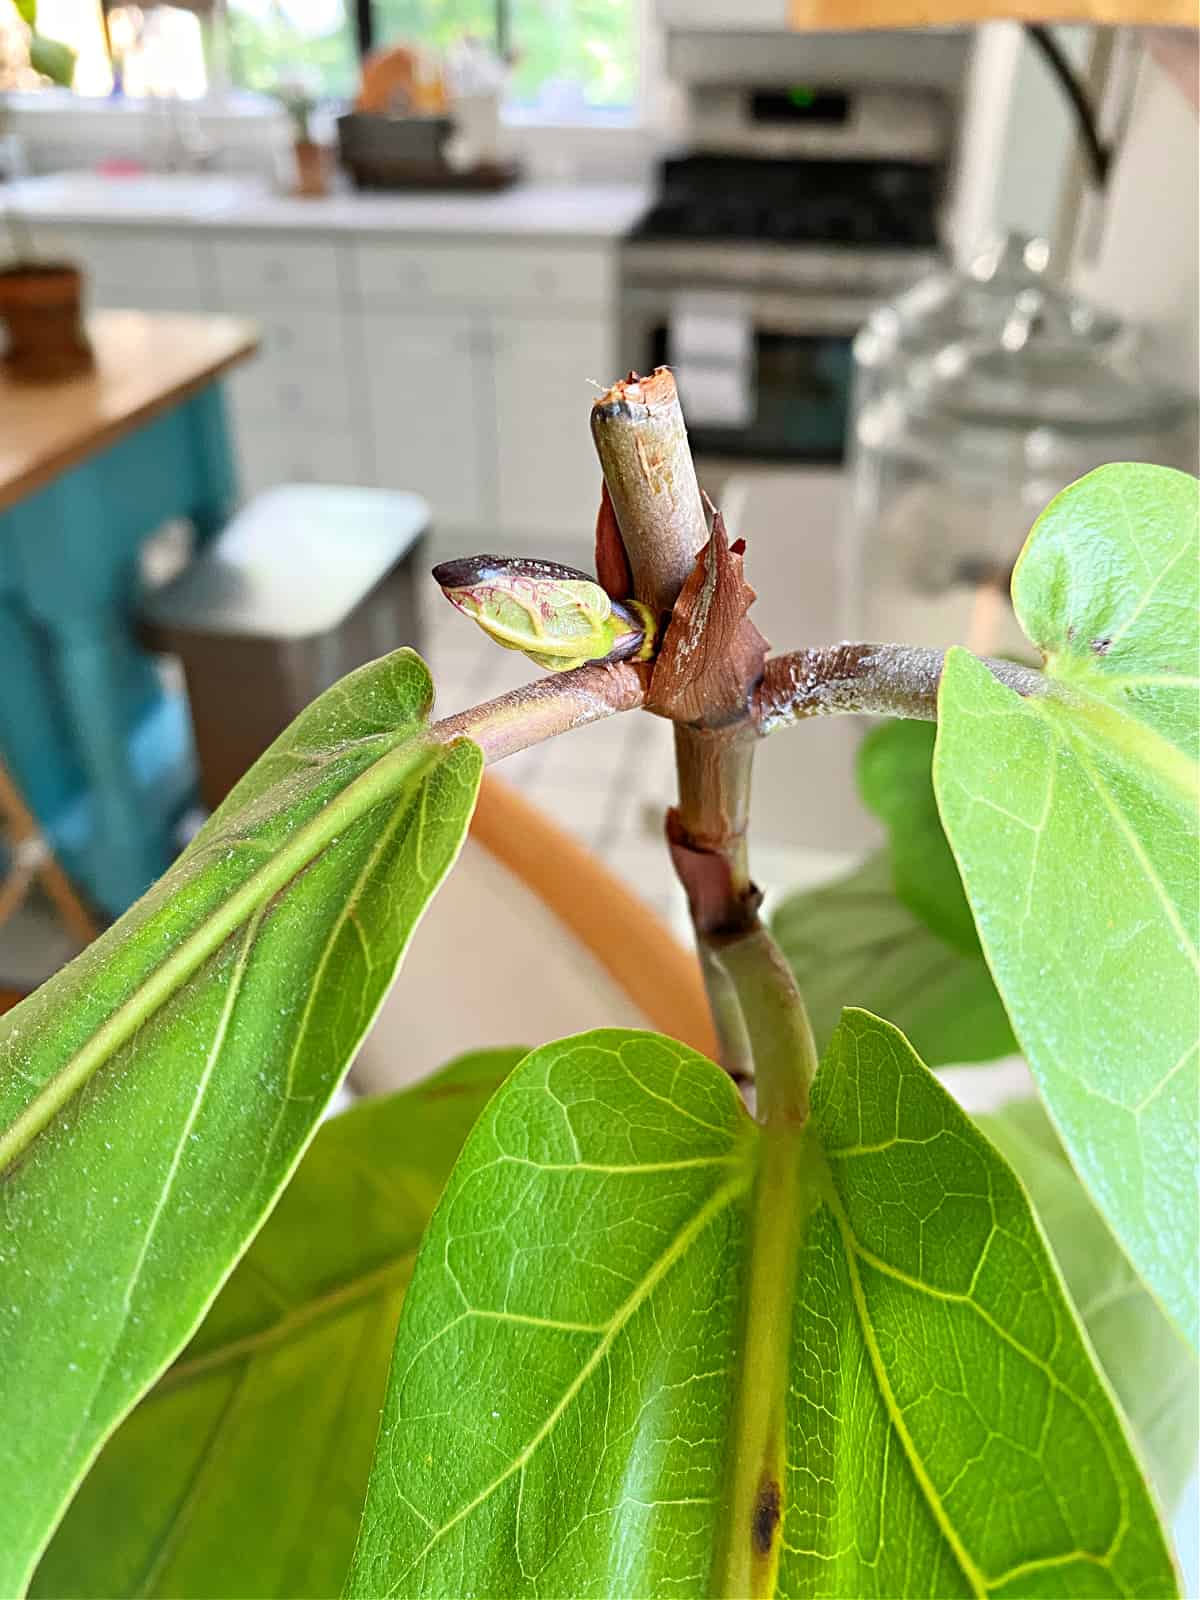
294 562
307 582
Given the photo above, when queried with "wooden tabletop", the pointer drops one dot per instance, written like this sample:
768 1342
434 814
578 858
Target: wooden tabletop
146 362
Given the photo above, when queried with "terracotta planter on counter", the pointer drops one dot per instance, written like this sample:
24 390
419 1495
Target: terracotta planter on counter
41 306
312 169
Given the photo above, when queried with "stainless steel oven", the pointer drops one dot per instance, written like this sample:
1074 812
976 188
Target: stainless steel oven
791 215
784 394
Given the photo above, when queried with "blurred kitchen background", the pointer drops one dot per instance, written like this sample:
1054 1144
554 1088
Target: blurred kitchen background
908 287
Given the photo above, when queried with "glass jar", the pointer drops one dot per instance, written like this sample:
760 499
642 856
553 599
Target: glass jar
953 464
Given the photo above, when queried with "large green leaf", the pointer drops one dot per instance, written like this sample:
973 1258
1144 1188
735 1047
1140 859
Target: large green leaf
854 940
651 1348
156 1095
243 1472
895 778
1144 1357
1073 817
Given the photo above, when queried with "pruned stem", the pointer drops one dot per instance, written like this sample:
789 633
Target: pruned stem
643 447
538 711
877 679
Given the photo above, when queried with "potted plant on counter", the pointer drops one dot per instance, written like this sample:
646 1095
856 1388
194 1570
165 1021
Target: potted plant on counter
41 302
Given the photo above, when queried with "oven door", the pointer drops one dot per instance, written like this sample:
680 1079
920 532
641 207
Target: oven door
797 374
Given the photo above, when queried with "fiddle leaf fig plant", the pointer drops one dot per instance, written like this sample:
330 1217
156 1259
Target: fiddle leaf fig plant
608 1317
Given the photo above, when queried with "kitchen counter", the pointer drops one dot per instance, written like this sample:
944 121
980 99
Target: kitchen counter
527 210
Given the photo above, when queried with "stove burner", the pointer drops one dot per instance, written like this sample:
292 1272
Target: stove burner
878 203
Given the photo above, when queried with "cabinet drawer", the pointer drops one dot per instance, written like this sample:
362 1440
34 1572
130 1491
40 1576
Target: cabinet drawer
284 393
302 368
255 272
484 273
136 267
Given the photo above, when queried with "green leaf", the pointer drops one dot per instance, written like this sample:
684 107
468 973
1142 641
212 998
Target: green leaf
1073 818
854 940
652 1349
156 1094
1143 1355
303 1330
53 59
895 779
27 11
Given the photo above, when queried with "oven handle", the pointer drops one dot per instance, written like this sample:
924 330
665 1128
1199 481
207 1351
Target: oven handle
797 315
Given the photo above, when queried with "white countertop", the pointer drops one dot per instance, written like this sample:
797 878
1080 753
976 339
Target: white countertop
562 211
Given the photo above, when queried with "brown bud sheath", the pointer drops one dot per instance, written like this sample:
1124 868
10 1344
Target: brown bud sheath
712 655
612 564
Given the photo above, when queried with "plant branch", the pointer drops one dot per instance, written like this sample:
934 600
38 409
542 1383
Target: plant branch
878 679
780 1035
640 437
553 705
647 462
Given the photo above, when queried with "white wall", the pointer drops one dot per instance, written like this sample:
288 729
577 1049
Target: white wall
1016 140
1146 263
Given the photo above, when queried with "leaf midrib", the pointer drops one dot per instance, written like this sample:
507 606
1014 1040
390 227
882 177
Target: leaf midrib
716 1203
408 760
300 1316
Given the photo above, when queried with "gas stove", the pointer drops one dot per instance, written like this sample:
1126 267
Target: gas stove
795 211
881 204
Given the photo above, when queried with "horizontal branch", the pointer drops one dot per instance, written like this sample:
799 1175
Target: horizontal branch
893 680
553 705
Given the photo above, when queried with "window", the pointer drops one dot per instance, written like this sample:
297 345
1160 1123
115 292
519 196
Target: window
310 42
571 58
573 55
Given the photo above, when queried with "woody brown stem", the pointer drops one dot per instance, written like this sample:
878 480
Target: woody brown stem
877 679
538 711
647 463
638 429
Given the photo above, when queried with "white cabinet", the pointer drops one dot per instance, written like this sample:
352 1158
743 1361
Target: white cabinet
485 273
547 476
427 387
460 367
270 454
151 269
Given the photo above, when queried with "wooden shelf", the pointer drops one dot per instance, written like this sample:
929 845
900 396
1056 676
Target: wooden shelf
839 15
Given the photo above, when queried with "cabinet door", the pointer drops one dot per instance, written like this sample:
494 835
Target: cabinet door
428 400
546 376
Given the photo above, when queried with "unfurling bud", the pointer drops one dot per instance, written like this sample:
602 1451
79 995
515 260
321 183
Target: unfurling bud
557 616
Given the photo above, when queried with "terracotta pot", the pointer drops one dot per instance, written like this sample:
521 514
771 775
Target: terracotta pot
311 170
41 304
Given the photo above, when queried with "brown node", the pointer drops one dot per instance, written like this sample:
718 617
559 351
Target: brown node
717 907
712 654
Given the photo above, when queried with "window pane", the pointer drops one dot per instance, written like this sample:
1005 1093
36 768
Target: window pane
272 42
574 54
73 22
433 22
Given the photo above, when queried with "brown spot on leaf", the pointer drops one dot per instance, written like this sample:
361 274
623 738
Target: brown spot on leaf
1101 647
765 1521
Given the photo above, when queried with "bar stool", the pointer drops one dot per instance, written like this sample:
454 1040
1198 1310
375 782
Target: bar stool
305 583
